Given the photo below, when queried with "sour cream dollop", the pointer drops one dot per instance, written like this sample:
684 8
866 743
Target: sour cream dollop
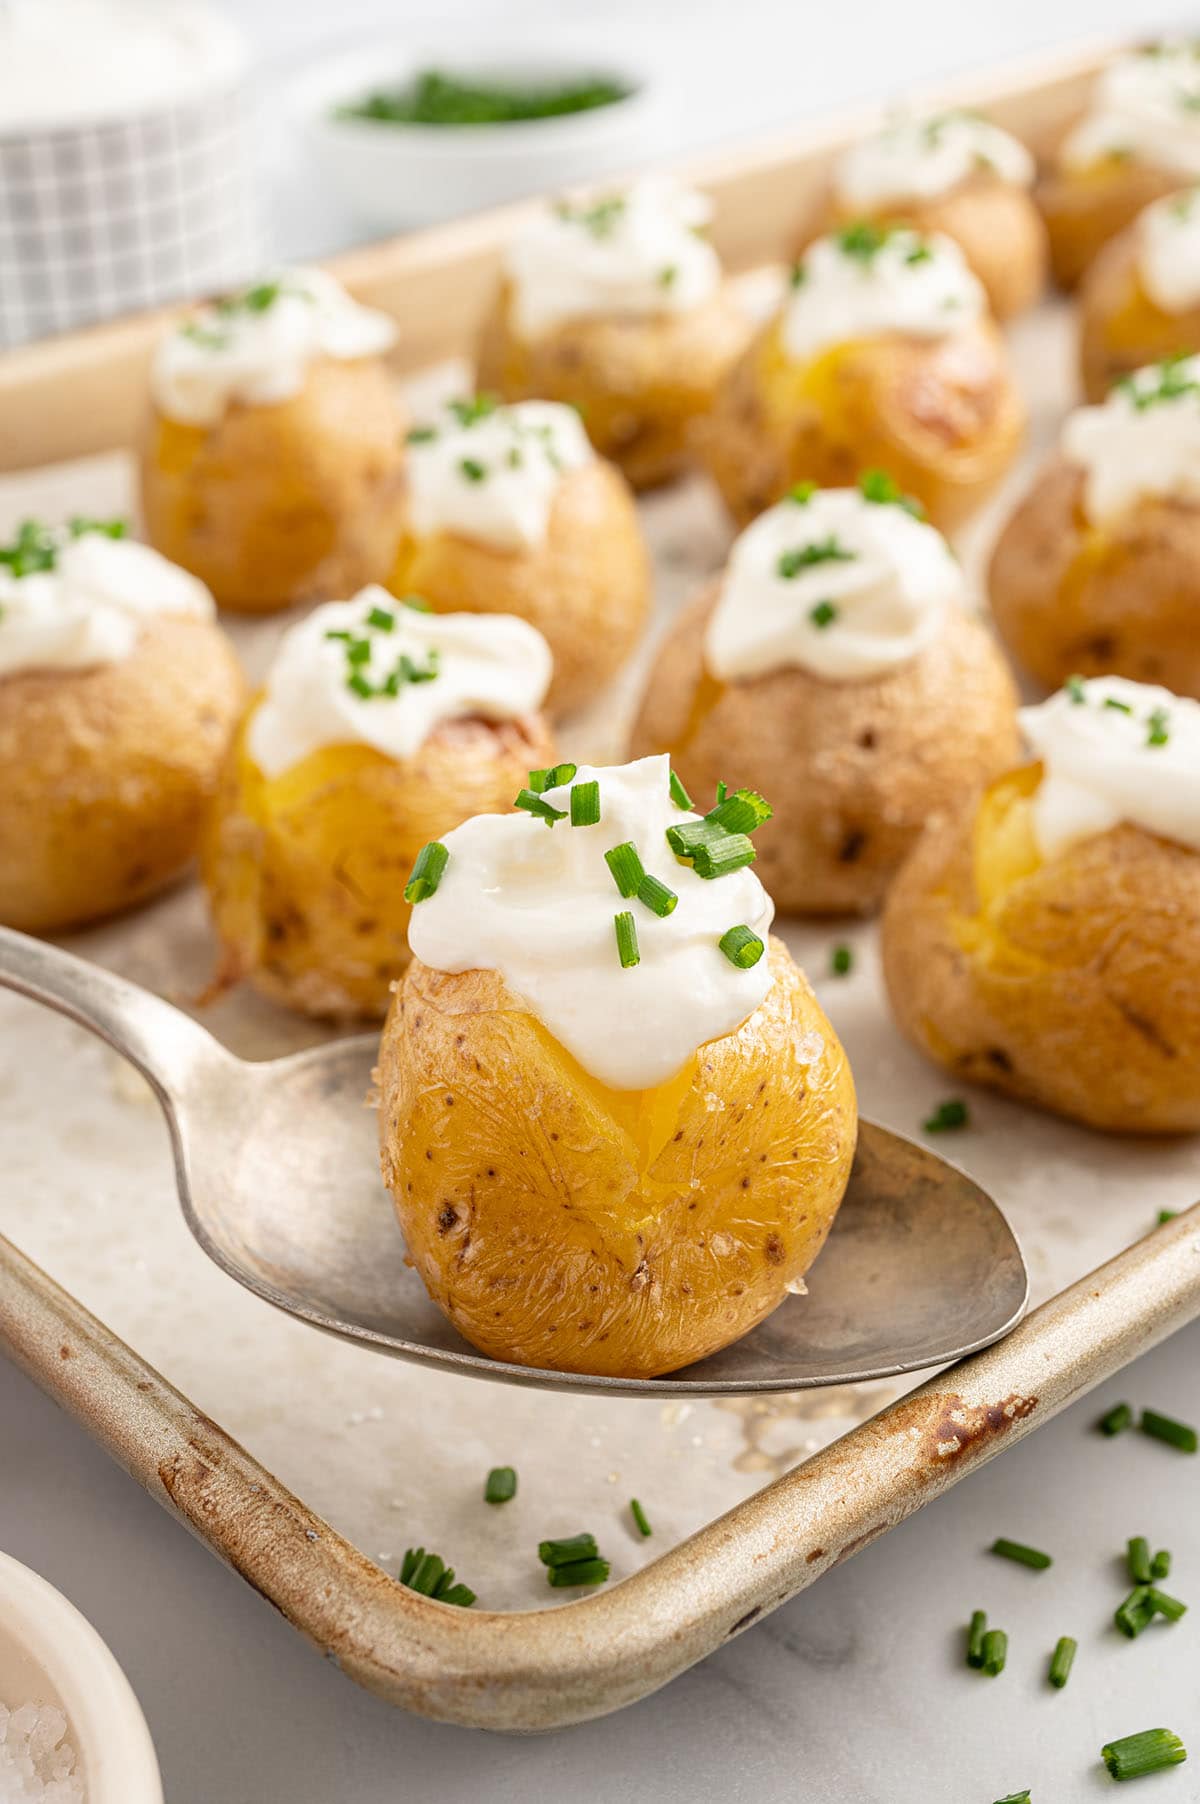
1115 751
635 250
868 280
256 347
538 903
1168 251
93 605
491 473
1146 106
344 676
919 159
836 584
1143 439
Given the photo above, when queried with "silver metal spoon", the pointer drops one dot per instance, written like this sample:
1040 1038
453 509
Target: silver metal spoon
278 1173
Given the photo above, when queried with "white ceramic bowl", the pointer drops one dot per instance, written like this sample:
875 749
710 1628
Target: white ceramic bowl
50 1654
396 176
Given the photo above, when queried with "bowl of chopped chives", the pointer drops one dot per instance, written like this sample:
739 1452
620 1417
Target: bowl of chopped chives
409 137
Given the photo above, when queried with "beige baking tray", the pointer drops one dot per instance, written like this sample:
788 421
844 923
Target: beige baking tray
230 1413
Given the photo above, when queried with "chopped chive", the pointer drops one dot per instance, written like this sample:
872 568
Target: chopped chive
722 790
802 492
428 869
381 618
1150 1751
421 435
640 1518
740 812
1075 689
429 1574
1169 1608
684 839
1158 727
555 776
1014 1797
626 868
585 804
975 1635
417 603
741 947
1024 1556
679 794
1166 1215
995 1652
1137 1558
569 1548
1160 1565
879 487
1135 1612
718 856
1061 1661
360 685
358 651
1110 701
1117 1419
952 1113
472 469
544 811
580 1572
1163 1428
501 1485
823 615
338 632
627 940
656 897
841 961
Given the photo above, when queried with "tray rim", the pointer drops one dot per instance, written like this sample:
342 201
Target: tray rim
80 393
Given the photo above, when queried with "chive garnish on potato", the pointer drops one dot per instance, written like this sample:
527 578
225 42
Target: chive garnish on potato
428 869
627 940
626 868
539 807
585 804
553 777
741 947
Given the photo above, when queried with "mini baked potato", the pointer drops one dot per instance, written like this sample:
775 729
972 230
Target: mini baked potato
1072 982
106 774
854 769
1085 208
1122 326
938 410
562 1224
583 580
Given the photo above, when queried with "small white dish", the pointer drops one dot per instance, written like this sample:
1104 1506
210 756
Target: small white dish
395 176
51 1654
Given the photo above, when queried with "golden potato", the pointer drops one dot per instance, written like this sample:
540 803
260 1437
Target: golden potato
586 587
1073 982
1121 599
994 223
1084 208
306 871
852 769
106 774
294 502
639 381
561 1224
942 416
1120 328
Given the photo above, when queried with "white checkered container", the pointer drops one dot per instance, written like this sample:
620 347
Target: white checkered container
120 213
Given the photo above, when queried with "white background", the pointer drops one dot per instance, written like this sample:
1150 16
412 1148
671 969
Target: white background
855 1692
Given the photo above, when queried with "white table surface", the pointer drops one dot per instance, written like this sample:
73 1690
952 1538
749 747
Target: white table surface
855 1692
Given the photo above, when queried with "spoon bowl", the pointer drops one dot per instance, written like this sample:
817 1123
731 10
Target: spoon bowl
277 1166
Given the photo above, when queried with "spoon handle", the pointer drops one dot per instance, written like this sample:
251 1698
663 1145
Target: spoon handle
166 1045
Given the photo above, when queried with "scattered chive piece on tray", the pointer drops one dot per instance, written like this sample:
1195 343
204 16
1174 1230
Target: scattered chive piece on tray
1138 1559
841 961
1151 1751
1061 1661
1135 1612
975 1635
1117 1420
1160 1565
995 1652
579 1572
1169 1608
1166 1215
501 1486
1015 1797
570 1548
1024 1556
952 1113
640 1517
429 1574
1164 1428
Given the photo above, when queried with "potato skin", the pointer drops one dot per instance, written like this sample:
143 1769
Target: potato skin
853 770
1085 208
305 872
995 224
1120 327
1116 600
586 587
561 1224
638 380
1073 983
940 416
296 502
106 774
